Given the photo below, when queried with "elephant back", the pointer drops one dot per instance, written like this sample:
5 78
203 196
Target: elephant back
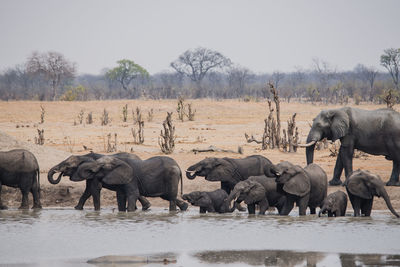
249 166
319 184
20 160
270 186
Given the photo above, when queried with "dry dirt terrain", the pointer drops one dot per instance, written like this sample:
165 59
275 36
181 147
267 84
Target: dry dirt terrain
219 123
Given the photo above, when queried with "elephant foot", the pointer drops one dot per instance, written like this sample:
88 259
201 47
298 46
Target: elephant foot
23 208
146 206
77 207
240 208
3 207
335 182
37 207
393 183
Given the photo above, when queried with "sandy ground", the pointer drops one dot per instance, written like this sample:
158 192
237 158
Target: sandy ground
219 123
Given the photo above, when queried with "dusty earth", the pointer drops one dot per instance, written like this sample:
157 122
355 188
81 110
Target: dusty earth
219 123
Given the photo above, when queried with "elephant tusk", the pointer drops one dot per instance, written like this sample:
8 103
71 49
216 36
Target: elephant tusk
307 145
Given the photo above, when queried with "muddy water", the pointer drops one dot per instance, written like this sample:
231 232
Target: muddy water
68 237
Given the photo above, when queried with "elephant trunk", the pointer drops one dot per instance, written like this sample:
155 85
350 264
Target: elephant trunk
312 138
190 176
385 196
233 195
321 211
50 175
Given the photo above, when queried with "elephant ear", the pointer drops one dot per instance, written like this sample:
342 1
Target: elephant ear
256 193
86 171
120 173
340 124
203 201
298 185
222 171
358 186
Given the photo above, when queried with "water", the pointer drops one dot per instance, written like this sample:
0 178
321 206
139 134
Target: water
70 237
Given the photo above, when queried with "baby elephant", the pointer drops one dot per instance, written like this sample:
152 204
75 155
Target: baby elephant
361 187
258 190
213 201
335 204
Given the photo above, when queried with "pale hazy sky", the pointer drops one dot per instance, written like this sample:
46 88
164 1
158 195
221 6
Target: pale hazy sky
263 36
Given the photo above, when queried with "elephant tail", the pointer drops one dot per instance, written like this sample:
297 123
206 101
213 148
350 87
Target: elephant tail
181 183
38 181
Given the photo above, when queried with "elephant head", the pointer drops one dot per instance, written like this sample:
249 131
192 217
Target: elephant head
333 202
293 178
331 124
198 198
67 167
213 169
108 169
248 191
366 185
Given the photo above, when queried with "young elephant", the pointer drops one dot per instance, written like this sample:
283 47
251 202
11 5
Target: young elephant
258 190
213 201
306 187
361 187
19 168
335 204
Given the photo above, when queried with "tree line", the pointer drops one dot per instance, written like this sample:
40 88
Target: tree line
198 73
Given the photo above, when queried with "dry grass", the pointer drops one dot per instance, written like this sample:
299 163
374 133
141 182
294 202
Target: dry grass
219 123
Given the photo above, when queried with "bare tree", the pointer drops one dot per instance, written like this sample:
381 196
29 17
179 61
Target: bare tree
196 63
238 78
277 77
391 61
53 66
367 74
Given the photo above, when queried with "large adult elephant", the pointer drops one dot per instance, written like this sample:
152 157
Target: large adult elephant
69 168
375 132
19 168
361 187
155 177
230 171
306 187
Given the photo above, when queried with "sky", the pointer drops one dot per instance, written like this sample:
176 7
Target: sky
264 36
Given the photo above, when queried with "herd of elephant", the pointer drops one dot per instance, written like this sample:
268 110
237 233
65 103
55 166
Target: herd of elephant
254 180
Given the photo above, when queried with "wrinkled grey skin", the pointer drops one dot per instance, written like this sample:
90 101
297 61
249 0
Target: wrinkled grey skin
335 204
361 187
230 171
306 187
154 177
258 190
19 168
213 201
69 168
375 132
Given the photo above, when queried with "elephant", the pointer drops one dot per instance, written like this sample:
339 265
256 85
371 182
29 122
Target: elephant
258 190
213 201
20 168
361 187
335 204
230 171
375 132
306 187
155 177
69 168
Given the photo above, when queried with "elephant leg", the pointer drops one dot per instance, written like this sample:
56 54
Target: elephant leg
366 207
121 200
172 205
394 177
35 193
226 187
263 206
86 194
347 158
145 203
287 208
95 189
132 198
313 211
203 210
25 201
210 209
330 213
337 172
303 203
356 203
2 207
251 208
182 204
